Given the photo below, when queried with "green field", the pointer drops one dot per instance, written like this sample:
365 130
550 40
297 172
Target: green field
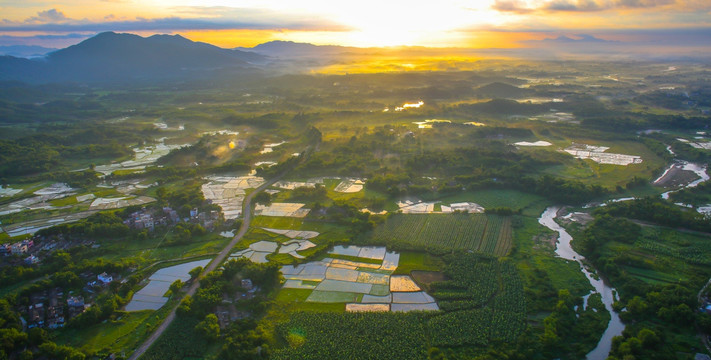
529 204
482 303
489 234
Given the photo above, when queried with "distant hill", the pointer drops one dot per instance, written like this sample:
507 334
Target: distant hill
109 57
501 91
286 49
583 38
25 51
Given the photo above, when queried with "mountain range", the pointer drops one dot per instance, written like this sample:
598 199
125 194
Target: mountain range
112 57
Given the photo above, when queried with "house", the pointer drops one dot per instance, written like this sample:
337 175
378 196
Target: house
75 301
5 250
75 306
172 214
105 278
31 260
36 314
247 284
18 248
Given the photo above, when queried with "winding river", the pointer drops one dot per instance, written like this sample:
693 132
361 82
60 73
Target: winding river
609 295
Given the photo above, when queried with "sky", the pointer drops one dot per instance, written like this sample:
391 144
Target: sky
363 23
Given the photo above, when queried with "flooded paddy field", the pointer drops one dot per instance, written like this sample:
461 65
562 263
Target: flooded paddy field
363 285
143 156
228 192
598 155
150 297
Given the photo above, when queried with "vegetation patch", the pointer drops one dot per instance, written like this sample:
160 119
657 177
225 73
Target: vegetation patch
489 234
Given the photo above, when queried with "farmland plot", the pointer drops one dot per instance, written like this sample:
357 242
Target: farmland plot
489 234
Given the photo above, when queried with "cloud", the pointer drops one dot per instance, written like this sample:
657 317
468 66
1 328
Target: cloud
521 7
51 15
54 41
511 6
192 18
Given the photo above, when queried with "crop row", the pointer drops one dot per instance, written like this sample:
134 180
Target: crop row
489 234
494 309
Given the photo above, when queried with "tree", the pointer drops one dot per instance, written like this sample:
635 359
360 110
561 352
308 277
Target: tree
161 194
195 272
263 198
209 327
176 286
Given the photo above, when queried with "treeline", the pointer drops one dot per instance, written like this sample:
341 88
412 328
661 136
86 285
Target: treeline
169 173
59 262
266 121
44 152
657 211
63 270
102 224
647 306
33 344
613 122
198 326
344 213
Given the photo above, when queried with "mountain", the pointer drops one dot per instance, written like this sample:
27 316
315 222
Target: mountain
25 51
290 49
112 57
582 39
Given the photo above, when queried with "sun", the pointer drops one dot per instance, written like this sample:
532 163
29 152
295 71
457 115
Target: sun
368 23
398 22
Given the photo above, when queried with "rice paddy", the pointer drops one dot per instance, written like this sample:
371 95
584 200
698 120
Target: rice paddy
282 210
362 285
598 155
416 206
150 297
143 156
228 192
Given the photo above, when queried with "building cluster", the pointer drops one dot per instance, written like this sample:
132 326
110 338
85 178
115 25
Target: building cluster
227 311
51 309
47 309
21 248
149 218
18 248
208 220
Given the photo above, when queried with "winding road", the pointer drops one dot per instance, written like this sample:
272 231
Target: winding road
247 211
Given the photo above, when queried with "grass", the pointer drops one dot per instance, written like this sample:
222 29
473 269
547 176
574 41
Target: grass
653 277
69 200
16 288
120 335
154 249
531 257
410 260
332 297
290 300
610 176
529 204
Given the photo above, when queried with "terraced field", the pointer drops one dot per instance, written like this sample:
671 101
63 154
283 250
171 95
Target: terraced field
489 234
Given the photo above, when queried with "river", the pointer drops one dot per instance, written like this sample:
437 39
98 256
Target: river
699 170
609 295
